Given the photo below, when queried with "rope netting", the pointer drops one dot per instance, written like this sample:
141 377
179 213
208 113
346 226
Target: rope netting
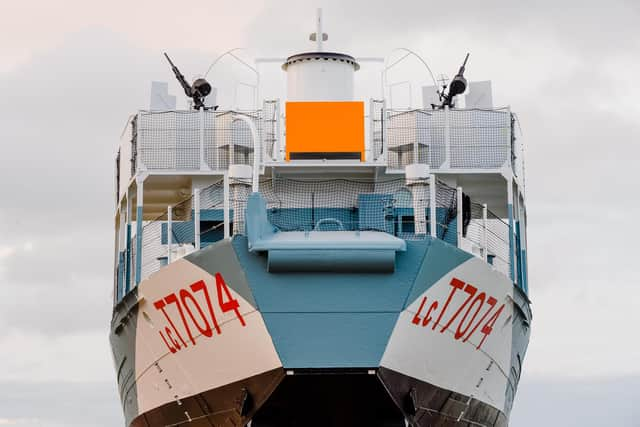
345 204
269 128
211 214
498 242
409 135
232 141
473 223
154 253
477 138
155 237
168 140
132 261
377 128
389 206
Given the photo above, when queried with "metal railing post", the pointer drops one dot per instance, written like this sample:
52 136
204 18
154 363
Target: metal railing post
214 143
511 156
447 139
459 215
139 214
369 154
203 165
485 249
433 206
227 225
419 196
512 273
276 135
256 150
127 279
383 133
263 133
196 217
169 233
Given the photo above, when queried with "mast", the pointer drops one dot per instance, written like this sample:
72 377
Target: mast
319 33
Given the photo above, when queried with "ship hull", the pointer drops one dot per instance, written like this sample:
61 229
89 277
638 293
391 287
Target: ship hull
215 339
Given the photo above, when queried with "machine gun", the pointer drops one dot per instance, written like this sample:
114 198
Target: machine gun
457 86
196 91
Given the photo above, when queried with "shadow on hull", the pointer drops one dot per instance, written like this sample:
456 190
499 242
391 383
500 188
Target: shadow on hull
329 398
321 398
231 405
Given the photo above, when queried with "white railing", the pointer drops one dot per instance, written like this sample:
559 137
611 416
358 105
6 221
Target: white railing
305 205
213 140
447 139
203 140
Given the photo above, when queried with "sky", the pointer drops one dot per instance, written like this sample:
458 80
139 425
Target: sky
72 71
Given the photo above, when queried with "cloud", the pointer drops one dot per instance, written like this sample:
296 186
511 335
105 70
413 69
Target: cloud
577 402
567 68
38 357
582 328
18 421
59 404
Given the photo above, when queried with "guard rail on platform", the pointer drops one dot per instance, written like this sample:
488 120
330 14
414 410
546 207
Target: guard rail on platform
210 140
390 206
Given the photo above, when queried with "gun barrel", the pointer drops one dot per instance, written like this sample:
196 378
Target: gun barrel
188 90
169 59
464 64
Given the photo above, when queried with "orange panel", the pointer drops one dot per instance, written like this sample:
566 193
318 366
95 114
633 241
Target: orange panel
325 127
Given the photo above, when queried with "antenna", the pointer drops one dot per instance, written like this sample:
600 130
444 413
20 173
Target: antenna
318 36
196 91
457 86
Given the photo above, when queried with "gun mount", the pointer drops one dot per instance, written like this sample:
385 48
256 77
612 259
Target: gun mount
196 91
457 86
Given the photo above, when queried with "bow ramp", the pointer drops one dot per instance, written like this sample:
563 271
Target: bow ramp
357 251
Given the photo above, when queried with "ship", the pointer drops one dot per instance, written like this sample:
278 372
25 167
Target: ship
320 259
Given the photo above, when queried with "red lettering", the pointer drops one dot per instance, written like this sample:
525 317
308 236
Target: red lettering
471 290
428 318
186 296
467 326
232 303
488 327
416 318
460 332
201 286
492 302
456 285
173 299
173 341
159 305
186 300
171 348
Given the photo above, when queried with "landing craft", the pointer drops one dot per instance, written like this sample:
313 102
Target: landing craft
340 261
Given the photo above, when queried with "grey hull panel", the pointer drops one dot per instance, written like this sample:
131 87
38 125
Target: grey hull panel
426 405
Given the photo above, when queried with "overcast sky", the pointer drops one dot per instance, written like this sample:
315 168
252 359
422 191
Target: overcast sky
72 71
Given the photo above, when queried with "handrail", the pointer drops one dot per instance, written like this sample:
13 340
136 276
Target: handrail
328 221
256 150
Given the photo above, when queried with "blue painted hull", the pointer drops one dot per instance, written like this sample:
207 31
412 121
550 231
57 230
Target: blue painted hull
359 329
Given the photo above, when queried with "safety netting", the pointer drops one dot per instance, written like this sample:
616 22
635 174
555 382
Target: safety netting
392 206
479 138
195 140
377 112
211 214
470 138
155 237
413 137
389 206
490 234
498 242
